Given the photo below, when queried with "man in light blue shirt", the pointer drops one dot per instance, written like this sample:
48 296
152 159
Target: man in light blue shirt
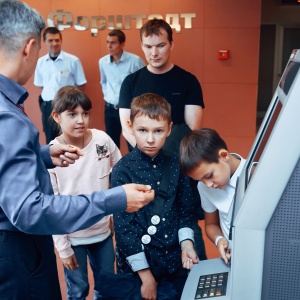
114 67
54 70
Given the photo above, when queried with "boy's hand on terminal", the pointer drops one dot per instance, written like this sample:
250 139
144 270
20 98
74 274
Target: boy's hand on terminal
63 155
189 256
224 250
138 195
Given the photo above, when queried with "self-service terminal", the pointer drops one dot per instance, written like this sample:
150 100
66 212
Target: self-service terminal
265 262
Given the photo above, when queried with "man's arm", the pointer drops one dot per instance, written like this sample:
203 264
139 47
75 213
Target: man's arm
81 87
38 77
79 76
139 64
103 79
126 130
26 195
193 116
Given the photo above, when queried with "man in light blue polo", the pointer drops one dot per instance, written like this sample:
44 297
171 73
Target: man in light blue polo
114 67
54 70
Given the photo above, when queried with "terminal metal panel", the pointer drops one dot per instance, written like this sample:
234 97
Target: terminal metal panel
265 263
281 272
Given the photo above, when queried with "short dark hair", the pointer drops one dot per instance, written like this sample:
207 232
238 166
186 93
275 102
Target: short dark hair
51 30
152 106
198 146
119 33
154 26
68 98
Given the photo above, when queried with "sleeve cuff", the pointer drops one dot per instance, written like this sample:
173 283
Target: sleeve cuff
45 154
137 261
186 234
66 253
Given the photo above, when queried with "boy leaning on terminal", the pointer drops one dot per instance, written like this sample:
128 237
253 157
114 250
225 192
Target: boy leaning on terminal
204 156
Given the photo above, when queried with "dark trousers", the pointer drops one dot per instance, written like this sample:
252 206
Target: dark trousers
27 267
50 128
112 123
198 215
199 243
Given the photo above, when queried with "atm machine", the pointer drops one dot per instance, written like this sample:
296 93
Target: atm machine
265 215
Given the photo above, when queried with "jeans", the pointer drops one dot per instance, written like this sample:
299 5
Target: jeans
101 258
112 123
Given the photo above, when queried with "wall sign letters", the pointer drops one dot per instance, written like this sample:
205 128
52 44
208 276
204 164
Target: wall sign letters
64 19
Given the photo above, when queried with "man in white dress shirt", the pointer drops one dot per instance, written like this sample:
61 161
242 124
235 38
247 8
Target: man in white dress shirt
54 70
114 67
